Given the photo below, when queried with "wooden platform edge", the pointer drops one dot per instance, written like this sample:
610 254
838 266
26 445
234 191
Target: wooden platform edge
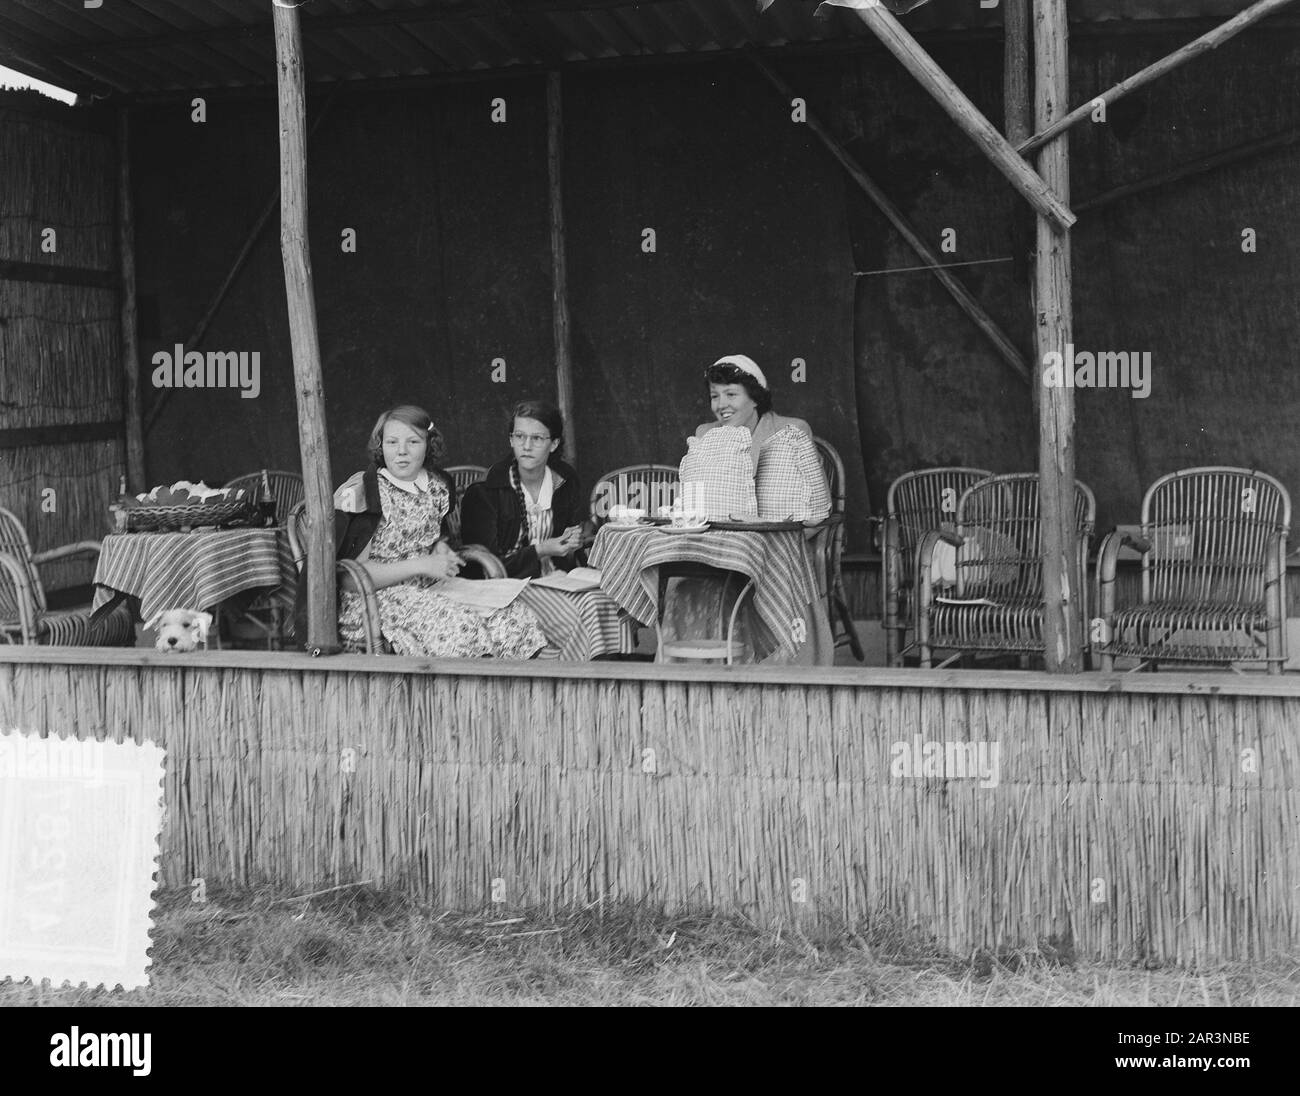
1189 684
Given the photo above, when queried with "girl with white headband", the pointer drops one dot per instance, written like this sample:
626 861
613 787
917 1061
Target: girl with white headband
739 396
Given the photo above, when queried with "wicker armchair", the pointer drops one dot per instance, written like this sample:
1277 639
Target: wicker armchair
916 503
645 486
1213 545
286 488
837 602
25 616
355 579
997 601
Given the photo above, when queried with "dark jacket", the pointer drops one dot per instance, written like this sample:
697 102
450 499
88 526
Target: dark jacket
352 532
490 516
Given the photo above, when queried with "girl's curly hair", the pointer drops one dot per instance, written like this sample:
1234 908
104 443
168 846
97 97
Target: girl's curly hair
417 418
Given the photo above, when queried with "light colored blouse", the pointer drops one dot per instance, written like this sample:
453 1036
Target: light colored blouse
768 425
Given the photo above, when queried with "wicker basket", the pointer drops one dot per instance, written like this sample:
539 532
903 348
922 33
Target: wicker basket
228 513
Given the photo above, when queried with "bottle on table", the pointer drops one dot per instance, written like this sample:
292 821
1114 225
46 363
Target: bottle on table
117 511
266 501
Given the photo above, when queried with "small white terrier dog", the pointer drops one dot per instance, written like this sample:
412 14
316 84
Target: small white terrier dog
181 629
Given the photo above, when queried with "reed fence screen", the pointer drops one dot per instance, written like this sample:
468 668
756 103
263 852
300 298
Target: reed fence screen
1119 825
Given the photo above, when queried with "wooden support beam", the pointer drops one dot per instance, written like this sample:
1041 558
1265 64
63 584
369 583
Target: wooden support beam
1192 50
960 109
135 467
1018 114
1017 99
1006 349
559 267
73 433
322 590
1054 329
254 234
1235 155
48 273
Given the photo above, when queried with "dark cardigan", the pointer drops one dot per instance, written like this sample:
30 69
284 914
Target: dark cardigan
490 516
352 532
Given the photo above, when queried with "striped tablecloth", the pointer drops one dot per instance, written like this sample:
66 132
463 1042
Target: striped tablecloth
785 594
580 626
194 570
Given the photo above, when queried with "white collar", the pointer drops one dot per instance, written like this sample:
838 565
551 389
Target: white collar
544 493
414 487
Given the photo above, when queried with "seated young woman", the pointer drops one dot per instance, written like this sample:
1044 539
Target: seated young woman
392 514
739 396
530 509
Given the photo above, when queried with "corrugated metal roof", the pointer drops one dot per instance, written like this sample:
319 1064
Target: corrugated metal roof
133 47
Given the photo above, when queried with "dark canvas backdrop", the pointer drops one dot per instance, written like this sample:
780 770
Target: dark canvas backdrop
758 235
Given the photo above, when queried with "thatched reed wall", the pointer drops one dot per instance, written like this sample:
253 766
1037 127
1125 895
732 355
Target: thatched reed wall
60 355
1124 822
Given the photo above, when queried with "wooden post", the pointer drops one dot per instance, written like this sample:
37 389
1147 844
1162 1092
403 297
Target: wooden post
1046 202
966 300
1018 106
1054 330
322 599
1203 44
135 468
1018 115
559 271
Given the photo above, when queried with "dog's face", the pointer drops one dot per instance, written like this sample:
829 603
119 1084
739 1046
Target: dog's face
181 629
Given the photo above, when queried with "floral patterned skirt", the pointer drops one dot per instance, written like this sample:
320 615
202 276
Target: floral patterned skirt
419 622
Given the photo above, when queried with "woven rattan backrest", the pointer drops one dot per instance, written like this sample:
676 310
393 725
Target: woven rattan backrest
462 475
1209 531
833 469
644 486
286 488
925 500
14 542
1000 522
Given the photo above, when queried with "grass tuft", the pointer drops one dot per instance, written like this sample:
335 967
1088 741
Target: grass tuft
359 946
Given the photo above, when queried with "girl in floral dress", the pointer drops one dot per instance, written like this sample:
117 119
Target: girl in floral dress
394 516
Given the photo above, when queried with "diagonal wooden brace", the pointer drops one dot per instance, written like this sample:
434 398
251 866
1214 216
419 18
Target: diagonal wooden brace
962 111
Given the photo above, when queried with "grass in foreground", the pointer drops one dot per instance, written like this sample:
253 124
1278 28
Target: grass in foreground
359 947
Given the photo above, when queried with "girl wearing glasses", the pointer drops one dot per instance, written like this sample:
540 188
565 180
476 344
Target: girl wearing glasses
392 516
529 510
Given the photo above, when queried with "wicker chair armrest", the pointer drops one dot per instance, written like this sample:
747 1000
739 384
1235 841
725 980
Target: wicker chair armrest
1108 567
81 548
476 553
296 547
27 604
924 560
356 579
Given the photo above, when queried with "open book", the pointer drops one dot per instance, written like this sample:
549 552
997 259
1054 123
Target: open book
575 581
482 595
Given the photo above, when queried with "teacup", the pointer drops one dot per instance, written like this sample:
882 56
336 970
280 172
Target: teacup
626 515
